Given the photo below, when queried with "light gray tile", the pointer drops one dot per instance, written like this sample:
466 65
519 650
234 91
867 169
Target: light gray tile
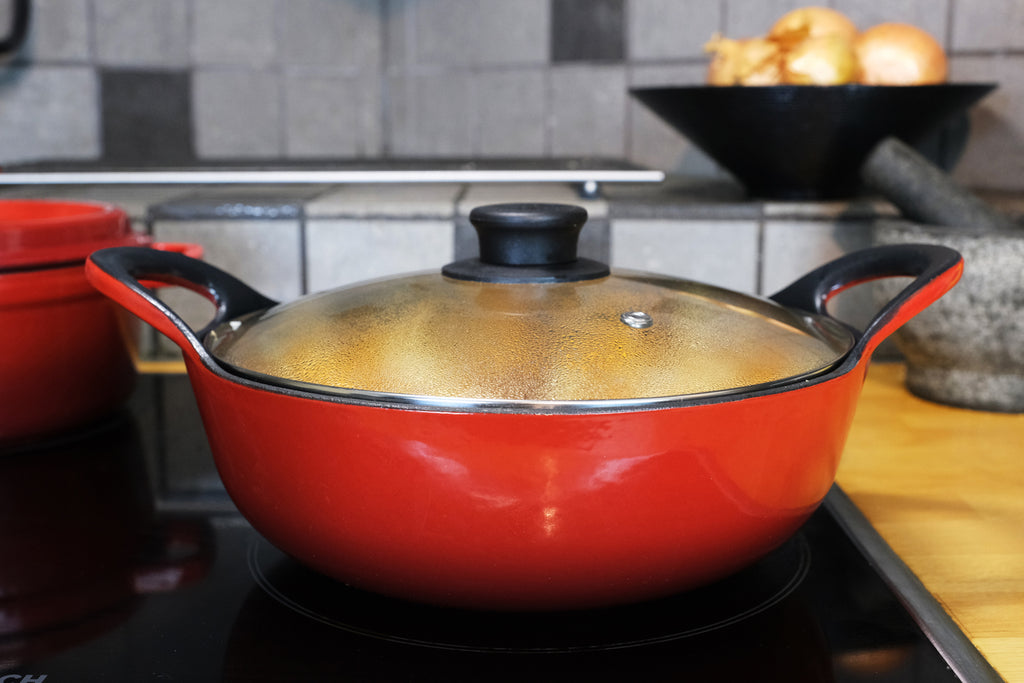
234 32
37 125
750 18
392 201
994 156
342 251
669 29
988 25
59 31
265 254
432 115
588 111
132 33
467 32
332 114
236 113
930 15
794 248
553 193
722 253
654 143
340 34
510 112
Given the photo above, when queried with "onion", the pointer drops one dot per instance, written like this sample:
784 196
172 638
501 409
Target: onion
812 22
900 54
825 60
754 61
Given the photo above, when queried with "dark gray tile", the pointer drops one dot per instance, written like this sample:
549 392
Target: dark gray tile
587 30
146 117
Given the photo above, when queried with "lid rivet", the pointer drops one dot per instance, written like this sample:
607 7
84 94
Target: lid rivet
637 319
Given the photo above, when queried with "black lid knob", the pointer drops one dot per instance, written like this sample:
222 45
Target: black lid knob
527 242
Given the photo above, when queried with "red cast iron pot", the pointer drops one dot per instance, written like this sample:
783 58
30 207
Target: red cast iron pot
530 504
65 359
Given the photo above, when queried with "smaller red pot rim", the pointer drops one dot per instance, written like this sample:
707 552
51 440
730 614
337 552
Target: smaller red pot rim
42 232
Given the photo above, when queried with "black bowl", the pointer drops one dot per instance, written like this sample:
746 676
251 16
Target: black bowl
801 141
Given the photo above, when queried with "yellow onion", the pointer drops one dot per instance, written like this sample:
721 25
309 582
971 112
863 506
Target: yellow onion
811 22
753 61
900 54
824 60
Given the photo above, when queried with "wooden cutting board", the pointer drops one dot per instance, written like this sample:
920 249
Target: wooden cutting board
945 488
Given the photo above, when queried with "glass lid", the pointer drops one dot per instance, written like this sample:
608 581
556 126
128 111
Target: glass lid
530 322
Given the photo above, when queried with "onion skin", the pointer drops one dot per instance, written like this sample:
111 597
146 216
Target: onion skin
812 22
900 54
825 60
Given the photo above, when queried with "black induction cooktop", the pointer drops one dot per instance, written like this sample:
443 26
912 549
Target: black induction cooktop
109 574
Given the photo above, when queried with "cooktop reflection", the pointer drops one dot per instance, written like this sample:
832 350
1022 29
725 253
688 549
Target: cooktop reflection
100 580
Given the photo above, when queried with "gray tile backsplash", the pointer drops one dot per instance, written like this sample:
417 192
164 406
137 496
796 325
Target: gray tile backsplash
237 113
141 34
353 79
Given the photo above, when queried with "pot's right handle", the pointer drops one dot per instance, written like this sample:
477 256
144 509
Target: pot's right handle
118 273
935 270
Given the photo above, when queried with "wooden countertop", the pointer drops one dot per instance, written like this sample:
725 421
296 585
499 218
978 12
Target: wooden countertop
945 488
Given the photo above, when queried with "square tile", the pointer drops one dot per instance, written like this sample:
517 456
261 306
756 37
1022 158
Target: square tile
327 32
146 117
793 248
588 111
467 32
432 115
988 25
587 30
236 113
332 114
59 31
749 18
39 126
668 29
994 155
372 200
930 15
510 113
721 252
264 254
235 32
138 34
344 251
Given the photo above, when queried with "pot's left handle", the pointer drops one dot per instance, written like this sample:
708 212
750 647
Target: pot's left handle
119 273
934 269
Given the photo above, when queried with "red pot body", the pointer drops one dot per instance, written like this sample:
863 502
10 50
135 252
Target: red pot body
526 511
523 508
64 360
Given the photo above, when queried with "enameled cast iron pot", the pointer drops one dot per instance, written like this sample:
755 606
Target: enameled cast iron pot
527 430
64 361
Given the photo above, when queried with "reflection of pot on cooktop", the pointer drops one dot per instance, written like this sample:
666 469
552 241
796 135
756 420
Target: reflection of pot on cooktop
80 540
754 625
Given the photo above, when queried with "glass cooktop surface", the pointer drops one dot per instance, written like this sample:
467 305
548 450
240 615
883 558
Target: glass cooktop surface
105 577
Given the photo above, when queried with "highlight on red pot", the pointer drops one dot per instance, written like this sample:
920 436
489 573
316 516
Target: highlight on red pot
527 429
66 354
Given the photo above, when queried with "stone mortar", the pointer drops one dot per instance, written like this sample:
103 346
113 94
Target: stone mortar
967 349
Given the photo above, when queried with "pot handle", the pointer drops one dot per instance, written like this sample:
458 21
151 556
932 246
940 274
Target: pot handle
935 270
123 273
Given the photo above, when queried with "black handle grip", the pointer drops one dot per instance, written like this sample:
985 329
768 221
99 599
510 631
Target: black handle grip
934 268
130 266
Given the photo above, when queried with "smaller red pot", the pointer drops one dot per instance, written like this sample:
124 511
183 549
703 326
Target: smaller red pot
66 353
